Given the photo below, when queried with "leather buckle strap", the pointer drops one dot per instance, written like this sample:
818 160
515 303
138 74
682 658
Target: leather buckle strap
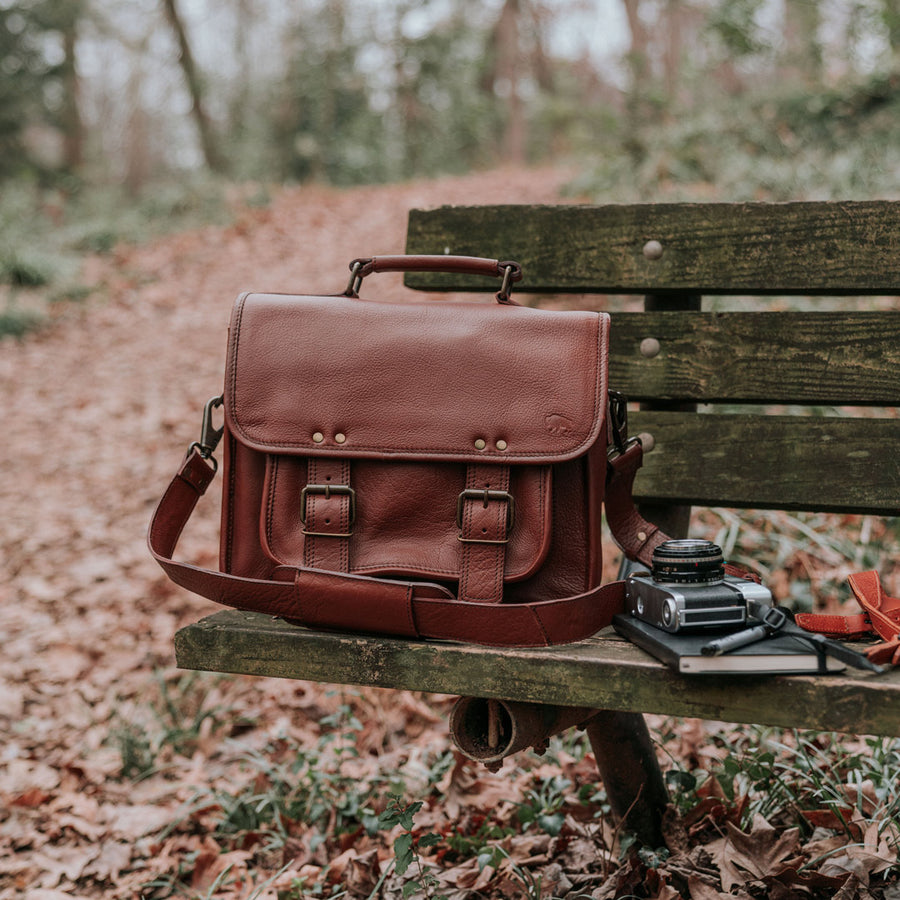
486 496
326 490
350 602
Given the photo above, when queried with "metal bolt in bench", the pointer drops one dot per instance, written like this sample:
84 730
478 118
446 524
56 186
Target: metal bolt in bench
732 451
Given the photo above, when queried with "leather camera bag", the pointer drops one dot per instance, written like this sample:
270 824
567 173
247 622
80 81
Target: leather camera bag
429 469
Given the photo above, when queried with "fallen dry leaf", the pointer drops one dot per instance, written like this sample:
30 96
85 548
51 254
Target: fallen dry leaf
701 890
739 854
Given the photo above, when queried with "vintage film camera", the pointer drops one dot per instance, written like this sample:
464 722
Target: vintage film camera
688 590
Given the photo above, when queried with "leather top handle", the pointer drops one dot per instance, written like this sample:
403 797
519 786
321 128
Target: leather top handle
509 271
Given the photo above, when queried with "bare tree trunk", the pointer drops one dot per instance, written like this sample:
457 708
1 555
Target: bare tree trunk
137 151
638 53
673 51
213 158
515 136
637 102
239 101
70 118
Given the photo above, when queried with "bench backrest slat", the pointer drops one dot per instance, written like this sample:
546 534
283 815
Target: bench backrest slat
821 463
839 359
709 248
724 453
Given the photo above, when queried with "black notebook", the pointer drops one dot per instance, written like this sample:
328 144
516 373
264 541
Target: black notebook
781 654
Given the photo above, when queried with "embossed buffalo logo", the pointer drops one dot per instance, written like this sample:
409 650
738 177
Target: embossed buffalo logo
557 424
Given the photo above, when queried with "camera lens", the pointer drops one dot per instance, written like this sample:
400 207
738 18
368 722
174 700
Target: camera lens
688 562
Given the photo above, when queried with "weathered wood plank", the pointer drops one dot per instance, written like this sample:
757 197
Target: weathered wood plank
601 673
707 248
815 463
807 358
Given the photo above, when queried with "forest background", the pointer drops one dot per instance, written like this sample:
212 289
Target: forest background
758 99
118 117
156 158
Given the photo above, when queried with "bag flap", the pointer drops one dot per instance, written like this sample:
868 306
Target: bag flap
437 380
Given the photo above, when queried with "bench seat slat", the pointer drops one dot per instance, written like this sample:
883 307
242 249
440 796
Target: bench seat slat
601 672
710 248
808 358
821 463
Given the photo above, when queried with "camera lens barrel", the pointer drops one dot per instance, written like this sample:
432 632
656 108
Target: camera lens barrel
688 561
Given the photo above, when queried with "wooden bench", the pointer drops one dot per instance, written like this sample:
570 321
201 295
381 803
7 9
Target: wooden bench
707 381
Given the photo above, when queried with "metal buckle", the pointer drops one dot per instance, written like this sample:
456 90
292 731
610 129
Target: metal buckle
486 496
209 434
618 418
511 272
326 490
356 279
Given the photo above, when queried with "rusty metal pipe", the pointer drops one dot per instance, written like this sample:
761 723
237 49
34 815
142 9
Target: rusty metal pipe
487 731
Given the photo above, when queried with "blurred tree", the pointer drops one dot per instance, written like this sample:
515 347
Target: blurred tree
21 70
442 113
208 142
239 102
640 76
890 14
801 61
518 69
68 16
349 90
321 127
39 86
736 37
137 147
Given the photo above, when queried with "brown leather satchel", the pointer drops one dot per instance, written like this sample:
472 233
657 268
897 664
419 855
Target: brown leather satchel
424 469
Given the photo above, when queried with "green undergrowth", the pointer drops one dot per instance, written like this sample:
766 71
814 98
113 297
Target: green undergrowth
772 143
804 558
792 778
45 233
274 794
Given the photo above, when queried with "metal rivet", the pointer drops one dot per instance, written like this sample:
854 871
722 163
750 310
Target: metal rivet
649 347
642 536
318 437
340 438
480 444
648 442
653 250
502 445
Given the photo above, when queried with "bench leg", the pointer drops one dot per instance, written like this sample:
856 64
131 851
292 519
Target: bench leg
490 730
630 772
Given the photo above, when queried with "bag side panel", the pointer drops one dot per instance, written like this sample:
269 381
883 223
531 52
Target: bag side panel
574 557
240 550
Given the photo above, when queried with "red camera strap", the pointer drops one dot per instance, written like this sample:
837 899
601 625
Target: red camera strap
881 616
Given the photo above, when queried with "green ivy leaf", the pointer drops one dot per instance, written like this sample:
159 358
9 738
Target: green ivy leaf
526 814
551 824
406 815
429 840
683 781
485 859
403 853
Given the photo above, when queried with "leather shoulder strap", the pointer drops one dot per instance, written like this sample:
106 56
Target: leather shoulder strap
357 603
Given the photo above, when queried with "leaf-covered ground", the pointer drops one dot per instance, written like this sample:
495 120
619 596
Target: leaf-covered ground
122 777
